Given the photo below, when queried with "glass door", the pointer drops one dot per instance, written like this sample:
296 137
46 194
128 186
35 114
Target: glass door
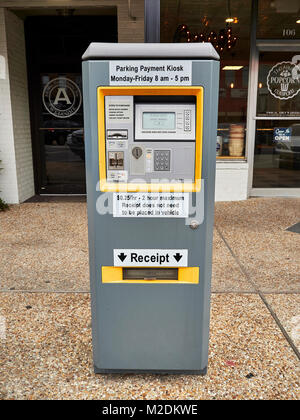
54 47
277 133
61 134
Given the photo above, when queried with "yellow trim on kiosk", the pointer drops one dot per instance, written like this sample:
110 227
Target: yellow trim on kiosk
186 275
150 90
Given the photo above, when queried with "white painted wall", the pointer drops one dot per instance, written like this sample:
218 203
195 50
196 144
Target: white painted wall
8 176
20 105
231 181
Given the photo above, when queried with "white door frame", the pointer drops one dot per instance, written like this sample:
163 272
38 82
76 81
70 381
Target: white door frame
257 46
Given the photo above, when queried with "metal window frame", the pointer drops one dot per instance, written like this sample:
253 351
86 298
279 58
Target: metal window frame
252 97
152 21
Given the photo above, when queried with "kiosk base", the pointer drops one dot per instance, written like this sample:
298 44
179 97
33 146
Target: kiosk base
201 372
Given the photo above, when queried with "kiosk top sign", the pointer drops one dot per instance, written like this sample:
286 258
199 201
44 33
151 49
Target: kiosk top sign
149 73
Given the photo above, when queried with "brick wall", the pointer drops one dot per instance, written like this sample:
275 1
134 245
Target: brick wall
19 104
16 179
129 30
8 176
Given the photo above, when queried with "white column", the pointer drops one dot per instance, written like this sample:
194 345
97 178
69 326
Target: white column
8 175
16 178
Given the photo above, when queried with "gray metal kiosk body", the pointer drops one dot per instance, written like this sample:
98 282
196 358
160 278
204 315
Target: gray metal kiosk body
150 120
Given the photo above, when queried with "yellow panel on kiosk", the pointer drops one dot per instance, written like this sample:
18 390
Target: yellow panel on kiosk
105 185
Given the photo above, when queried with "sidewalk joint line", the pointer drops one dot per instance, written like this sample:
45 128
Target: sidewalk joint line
43 291
262 297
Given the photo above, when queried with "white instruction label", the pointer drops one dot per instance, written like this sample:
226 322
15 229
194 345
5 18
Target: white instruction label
150 257
150 73
151 205
120 176
119 109
117 144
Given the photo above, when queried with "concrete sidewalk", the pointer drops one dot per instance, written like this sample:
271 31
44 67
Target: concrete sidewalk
45 334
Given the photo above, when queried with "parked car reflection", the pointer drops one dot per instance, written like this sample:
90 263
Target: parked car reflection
56 131
75 141
289 149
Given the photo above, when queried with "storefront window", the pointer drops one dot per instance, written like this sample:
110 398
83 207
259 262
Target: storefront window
278 19
277 141
277 154
226 24
278 84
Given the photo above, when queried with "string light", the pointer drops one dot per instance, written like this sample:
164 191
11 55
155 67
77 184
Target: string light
231 20
222 41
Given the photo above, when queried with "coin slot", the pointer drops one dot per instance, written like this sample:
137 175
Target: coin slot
137 152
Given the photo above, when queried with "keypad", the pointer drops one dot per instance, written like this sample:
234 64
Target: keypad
162 160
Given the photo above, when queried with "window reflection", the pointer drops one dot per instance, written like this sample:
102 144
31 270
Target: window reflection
277 19
277 141
277 154
206 19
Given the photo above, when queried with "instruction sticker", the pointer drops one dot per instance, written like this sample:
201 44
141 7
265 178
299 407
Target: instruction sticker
151 205
150 73
150 257
120 176
119 109
117 144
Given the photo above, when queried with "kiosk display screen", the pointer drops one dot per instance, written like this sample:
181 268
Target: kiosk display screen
159 120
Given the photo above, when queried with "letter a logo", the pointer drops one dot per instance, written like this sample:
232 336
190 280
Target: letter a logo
62 96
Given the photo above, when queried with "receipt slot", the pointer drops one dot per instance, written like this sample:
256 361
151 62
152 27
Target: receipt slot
150 119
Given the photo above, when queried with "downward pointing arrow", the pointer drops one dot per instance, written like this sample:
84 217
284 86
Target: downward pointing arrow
177 257
122 256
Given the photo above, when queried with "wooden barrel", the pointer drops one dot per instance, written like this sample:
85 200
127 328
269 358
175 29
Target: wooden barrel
236 140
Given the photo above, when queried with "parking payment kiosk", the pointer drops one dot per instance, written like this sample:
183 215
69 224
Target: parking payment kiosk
150 120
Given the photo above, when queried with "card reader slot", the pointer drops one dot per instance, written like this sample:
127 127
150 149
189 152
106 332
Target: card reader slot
150 273
117 134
